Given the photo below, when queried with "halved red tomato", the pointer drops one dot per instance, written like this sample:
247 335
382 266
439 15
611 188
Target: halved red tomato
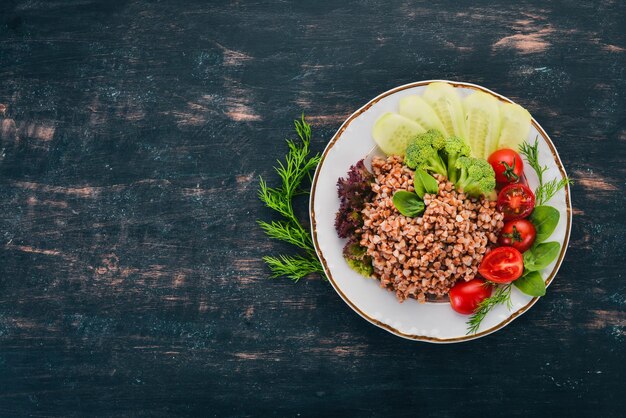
465 296
502 265
516 201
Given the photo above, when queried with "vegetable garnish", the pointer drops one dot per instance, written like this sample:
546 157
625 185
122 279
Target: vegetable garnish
296 168
545 191
354 191
431 151
537 254
501 295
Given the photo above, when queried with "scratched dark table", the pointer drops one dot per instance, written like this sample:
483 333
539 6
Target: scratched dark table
132 135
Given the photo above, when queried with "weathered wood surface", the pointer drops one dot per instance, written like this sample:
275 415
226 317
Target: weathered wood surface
132 134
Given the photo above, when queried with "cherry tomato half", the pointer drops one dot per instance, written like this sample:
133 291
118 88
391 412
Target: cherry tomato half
465 296
502 265
508 166
516 201
519 234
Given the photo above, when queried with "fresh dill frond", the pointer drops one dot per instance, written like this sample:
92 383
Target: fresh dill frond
501 295
297 167
293 267
545 191
285 231
531 152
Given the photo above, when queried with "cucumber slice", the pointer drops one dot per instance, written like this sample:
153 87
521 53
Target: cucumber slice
482 118
392 132
415 108
515 126
444 100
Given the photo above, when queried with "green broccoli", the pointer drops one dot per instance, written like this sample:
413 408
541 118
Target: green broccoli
475 176
453 149
423 152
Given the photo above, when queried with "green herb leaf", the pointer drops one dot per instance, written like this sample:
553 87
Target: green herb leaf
408 203
293 267
295 169
546 191
545 219
540 256
424 183
531 283
502 294
531 152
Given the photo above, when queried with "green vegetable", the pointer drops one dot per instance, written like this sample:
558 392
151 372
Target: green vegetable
293 171
543 192
482 121
475 176
358 260
444 100
546 191
392 132
531 283
545 219
362 267
516 123
501 295
408 203
417 109
540 256
453 149
424 183
423 152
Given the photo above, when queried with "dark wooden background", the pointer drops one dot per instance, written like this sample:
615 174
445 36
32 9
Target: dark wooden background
132 137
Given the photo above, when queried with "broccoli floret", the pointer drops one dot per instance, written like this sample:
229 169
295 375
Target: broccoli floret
422 152
357 258
475 176
453 149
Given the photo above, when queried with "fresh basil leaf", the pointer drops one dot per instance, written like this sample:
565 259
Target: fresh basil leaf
545 219
531 283
408 203
541 255
424 183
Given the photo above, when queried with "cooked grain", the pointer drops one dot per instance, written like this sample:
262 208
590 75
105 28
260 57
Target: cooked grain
426 255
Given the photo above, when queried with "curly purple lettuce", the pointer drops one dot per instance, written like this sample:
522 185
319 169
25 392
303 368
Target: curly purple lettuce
354 192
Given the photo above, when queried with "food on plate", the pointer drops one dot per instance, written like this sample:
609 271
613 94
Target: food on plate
466 296
516 201
484 122
420 256
447 104
515 126
448 211
482 118
502 265
508 166
519 234
392 132
354 192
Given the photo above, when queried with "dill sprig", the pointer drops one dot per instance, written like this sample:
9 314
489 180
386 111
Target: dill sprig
292 172
501 295
293 267
545 191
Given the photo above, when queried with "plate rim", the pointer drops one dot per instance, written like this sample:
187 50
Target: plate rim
387 327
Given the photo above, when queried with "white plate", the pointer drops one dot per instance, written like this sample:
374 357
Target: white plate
431 322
